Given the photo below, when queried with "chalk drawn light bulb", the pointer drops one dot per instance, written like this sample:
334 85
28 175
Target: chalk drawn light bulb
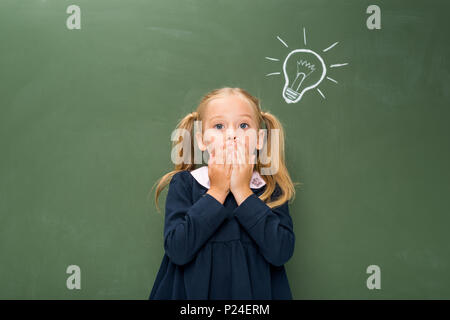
303 70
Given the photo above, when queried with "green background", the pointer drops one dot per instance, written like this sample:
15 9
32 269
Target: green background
86 117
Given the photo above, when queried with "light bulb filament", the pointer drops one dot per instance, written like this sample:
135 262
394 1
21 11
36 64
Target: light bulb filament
302 64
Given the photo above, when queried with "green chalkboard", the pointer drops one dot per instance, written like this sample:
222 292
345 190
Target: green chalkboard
86 116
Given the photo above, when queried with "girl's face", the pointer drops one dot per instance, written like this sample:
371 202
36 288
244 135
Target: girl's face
228 121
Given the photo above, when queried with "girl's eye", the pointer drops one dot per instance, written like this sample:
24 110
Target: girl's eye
244 124
215 126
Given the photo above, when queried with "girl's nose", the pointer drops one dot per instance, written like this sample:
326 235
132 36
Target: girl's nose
230 140
231 136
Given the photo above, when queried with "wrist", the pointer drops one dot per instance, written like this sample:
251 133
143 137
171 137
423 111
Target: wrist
218 194
241 194
242 190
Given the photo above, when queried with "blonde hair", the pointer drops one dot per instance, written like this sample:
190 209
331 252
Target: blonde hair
281 178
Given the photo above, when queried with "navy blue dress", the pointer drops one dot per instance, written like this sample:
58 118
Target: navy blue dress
215 251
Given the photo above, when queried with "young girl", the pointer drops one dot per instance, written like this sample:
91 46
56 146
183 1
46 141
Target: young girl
227 229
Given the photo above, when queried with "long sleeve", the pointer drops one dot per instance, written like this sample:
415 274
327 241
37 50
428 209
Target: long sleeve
189 225
271 229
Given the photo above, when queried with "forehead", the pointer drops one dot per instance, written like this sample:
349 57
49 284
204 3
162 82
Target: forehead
228 106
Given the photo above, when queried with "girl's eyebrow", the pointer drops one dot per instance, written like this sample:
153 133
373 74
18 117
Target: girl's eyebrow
241 115
212 118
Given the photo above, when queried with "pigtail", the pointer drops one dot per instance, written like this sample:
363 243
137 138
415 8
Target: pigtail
277 161
187 123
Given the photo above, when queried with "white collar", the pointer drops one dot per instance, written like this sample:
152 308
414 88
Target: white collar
202 177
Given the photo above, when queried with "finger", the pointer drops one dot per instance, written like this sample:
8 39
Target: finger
235 158
225 154
247 149
253 158
228 167
219 154
211 158
210 141
209 144
241 153
242 149
232 154
236 152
